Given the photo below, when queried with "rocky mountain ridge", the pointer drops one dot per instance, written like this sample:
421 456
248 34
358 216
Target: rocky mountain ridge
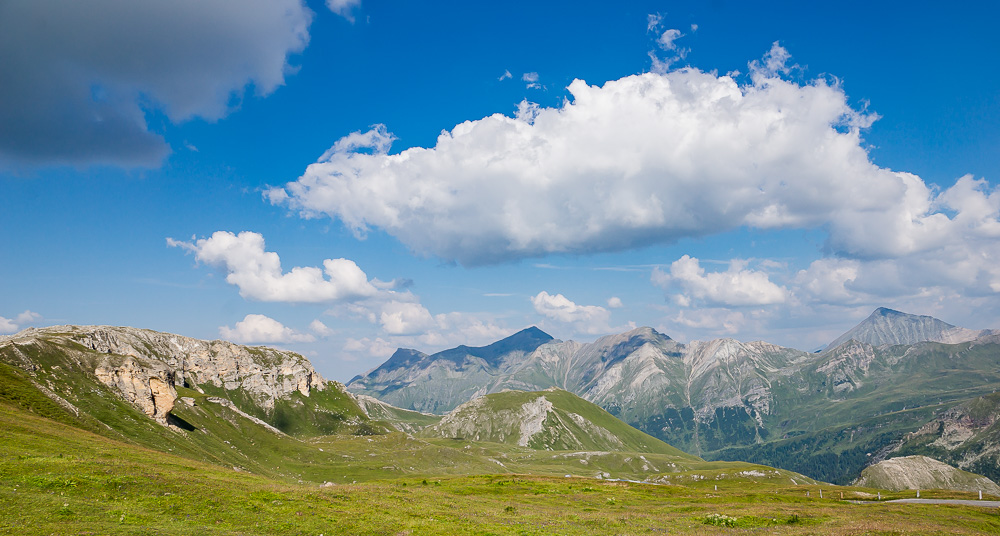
890 327
738 400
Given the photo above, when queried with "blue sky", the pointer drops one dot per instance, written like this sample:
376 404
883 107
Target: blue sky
348 177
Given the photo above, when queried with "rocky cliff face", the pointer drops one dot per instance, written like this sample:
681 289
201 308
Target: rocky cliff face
966 435
145 367
264 373
149 387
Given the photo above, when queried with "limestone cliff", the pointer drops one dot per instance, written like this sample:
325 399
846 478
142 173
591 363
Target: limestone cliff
145 367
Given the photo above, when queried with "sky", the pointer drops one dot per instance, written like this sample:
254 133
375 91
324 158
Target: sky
347 177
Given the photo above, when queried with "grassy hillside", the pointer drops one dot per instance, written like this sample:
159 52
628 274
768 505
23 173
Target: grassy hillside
547 420
59 479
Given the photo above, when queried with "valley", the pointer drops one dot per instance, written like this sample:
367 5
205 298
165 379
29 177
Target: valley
126 431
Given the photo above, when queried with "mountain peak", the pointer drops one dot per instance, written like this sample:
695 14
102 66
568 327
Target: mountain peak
525 341
890 327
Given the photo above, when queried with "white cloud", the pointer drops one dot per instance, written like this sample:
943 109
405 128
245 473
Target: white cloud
591 319
506 74
668 38
27 317
532 80
712 320
615 302
344 8
13 325
737 286
376 347
8 326
79 77
320 328
405 318
262 329
259 275
829 281
645 159
653 21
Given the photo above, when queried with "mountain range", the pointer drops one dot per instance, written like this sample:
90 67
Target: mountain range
827 414
269 412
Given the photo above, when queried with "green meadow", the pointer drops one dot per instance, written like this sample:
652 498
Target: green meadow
60 479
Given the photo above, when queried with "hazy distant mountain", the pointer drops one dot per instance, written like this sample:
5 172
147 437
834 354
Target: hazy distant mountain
889 327
439 382
826 414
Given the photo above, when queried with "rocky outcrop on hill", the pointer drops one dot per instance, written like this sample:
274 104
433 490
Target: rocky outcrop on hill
145 367
150 388
921 472
264 373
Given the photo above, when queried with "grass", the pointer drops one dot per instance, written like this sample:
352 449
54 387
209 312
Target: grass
59 479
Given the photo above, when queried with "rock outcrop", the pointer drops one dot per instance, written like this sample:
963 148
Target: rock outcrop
149 387
263 373
146 367
921 472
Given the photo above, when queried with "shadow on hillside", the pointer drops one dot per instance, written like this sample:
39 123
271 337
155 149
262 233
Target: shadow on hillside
174 420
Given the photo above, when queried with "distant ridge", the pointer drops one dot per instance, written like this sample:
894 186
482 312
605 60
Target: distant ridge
889 327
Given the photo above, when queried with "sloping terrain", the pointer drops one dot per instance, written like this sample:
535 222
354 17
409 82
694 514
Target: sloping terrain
966 436
59 479
545 420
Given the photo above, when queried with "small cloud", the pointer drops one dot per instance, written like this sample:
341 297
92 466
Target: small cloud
653 21
259 276
405 318
377 347
506 74
7 325
27 317
320 328
189 146
531 79
694 28
615 302
590 319
667 39
344 8
13 325
262 329
737 286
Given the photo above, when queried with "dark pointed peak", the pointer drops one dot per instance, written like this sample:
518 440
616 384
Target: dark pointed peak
526 340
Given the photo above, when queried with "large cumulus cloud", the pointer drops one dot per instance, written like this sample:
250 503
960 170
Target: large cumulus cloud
645 159
656 157
79 77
